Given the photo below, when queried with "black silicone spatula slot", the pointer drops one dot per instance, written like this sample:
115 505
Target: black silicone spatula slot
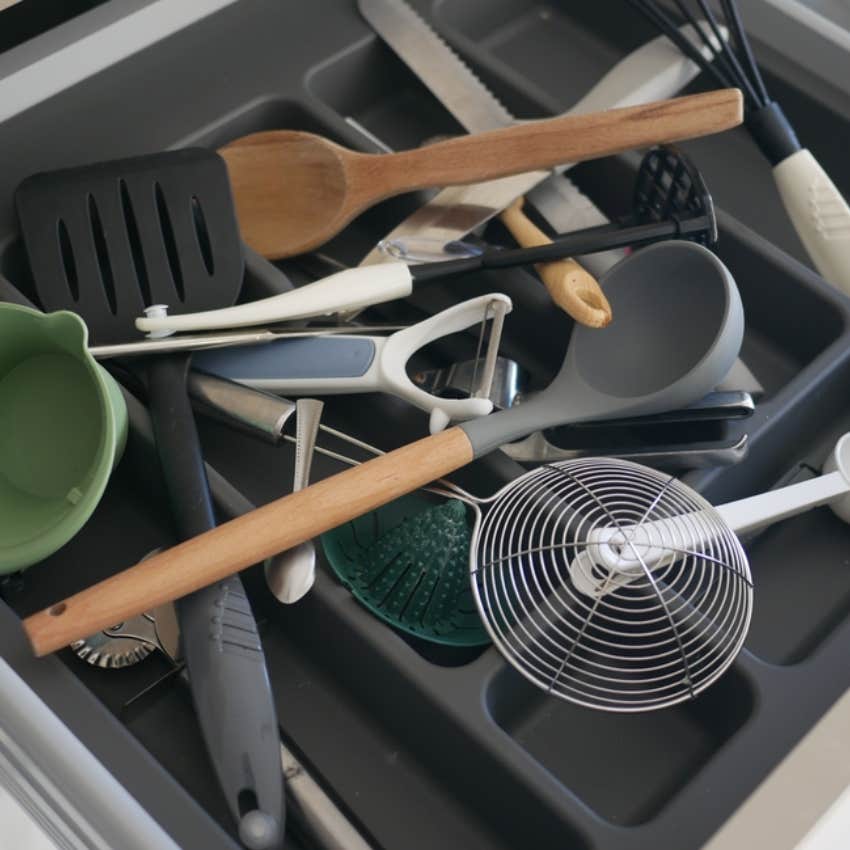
108 240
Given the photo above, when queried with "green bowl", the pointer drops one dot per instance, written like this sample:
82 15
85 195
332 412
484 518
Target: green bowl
63 427
408 563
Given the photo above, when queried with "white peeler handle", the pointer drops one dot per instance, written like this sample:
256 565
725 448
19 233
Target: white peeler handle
356 364
351 289
819 213
401 346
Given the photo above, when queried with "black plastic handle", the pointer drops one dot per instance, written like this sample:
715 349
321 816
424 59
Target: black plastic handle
590 241
224 655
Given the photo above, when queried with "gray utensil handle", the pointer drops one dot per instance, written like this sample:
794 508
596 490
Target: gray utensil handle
224 656
230 688
305 358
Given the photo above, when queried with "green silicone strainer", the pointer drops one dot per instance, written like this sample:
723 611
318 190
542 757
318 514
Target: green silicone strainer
408 563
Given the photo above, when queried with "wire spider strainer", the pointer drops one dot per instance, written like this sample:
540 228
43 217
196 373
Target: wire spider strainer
657 640
616 586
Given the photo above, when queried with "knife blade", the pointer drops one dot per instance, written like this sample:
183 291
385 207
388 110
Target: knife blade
438 66
655 70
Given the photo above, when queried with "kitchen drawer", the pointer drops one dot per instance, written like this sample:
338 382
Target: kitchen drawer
422 745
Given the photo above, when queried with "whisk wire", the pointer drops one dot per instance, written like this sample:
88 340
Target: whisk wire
736 33
722 63
733 16
667 26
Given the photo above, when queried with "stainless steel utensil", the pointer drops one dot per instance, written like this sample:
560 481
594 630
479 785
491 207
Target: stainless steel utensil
509 383
536 448
290 574
657 641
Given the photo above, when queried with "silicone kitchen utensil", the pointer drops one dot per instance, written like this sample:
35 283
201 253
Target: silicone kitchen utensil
679 328
107 241
63 425
290 574
358 364
296 190
408 563
817 210
653 71
670 201
266 416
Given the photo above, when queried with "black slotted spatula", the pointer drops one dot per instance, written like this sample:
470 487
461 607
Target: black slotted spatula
105 241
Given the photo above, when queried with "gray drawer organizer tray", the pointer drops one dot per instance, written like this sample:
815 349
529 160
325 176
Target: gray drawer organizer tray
437 747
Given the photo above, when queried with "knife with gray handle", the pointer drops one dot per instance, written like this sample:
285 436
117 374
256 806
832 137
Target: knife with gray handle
656 70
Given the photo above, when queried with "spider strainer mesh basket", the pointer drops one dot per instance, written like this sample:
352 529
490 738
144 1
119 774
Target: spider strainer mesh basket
622 641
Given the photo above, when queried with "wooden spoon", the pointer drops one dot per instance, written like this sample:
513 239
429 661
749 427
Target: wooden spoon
295 190
574 289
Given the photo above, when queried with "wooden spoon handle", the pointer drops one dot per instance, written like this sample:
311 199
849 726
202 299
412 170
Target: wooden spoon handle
574 289
544 144
248 540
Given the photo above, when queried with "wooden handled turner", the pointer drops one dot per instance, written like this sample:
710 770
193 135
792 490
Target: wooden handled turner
296 190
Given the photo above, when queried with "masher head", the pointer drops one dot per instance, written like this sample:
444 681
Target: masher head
649 640
669 186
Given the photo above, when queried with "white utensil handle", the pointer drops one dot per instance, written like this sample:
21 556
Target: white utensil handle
357 364
760 511
654 71
351 289
628 551
819 213
401 346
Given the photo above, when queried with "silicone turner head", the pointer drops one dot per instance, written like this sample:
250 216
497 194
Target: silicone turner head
109 239
408 563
